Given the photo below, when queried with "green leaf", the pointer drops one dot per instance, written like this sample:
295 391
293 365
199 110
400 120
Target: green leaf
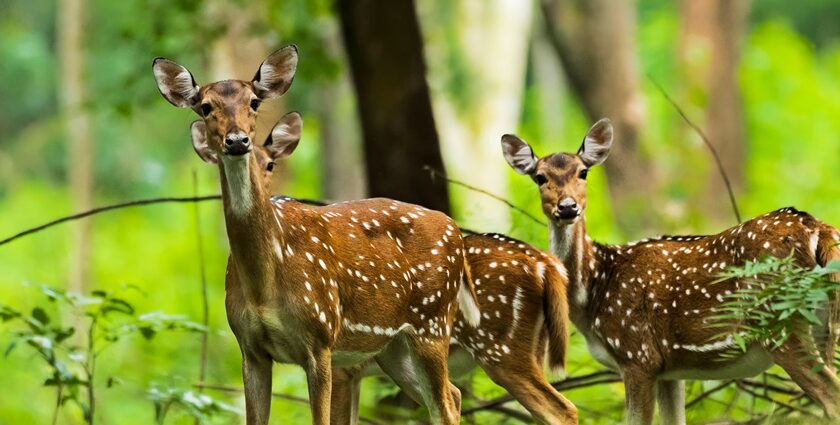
63 334
11 347
40 315
810 316
147 332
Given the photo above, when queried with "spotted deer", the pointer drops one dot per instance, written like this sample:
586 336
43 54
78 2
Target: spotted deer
321 287
524 313
644 308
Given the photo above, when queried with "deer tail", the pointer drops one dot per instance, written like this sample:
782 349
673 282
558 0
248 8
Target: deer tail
556 309
827 250
467 297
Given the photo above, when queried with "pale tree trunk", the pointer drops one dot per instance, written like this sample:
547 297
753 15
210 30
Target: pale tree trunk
596 44
342 165
71 21
493 38
710 45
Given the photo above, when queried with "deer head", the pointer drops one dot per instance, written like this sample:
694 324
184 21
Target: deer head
279 144
228 108
561 177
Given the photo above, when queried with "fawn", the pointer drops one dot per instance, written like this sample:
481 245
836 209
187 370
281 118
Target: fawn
321 287
644 307
522 293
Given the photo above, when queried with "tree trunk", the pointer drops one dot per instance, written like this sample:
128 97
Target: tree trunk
710 46
342 165
596 44
71 21
385 50
492 40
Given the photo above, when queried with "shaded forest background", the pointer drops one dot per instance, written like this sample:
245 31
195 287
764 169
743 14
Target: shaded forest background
83 125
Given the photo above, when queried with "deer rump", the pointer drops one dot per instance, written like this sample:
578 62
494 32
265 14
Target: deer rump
671 286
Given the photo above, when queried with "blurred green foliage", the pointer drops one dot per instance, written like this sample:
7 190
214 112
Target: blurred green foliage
791 90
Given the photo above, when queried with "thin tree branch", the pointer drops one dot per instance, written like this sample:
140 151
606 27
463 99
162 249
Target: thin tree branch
770 387
98 210
592 379
755 394
437 173
706 141
708 393
513 413
205 305
135 203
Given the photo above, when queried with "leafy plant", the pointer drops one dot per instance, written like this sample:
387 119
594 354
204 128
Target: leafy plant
200 407
104 317
776 300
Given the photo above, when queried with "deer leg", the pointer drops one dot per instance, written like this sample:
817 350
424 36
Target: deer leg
256 374
344 401
530 388
639 397
395 360
798 358
432 375
671 398
319 379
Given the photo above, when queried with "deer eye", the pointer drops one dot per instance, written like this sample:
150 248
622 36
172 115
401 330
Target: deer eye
540 179
583 173
206 108
270 166
255 103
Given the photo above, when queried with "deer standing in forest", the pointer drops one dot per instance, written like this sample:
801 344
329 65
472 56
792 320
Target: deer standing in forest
524 315
322 287
645 308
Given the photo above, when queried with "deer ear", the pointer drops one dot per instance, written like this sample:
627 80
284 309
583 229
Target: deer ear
518 154
198 132
596 145
276 73
284 136
175 83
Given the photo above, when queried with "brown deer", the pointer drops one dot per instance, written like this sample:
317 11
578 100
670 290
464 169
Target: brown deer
321 287
644 308
524 314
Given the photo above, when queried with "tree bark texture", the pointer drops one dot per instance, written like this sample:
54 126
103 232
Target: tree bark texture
383 42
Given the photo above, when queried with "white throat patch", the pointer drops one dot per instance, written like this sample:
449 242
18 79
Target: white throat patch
238 176
561 240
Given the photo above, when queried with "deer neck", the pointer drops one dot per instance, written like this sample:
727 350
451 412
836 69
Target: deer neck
571 245
251 226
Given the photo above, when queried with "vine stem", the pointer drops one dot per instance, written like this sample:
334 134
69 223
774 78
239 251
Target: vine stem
205 305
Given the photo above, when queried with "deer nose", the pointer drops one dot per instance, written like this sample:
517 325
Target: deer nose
567 209
237 143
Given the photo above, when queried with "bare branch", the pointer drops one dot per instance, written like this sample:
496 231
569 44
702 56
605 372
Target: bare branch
708 145
708 393
592 379
136 203
202 365
755 394
437 173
